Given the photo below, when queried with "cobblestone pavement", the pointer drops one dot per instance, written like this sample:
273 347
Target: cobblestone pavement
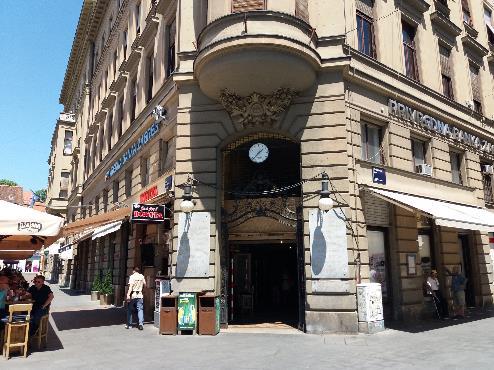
86 335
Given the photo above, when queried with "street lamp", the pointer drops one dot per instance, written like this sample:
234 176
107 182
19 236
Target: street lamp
325 202
187 205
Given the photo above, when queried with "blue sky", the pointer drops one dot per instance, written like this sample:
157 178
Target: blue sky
36 40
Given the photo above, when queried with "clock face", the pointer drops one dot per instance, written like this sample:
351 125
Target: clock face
258 153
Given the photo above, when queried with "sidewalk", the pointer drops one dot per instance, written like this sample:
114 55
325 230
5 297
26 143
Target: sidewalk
86 335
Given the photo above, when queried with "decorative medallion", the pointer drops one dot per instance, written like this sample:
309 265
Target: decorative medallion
256 109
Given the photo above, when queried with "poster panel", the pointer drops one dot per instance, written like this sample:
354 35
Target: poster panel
187 309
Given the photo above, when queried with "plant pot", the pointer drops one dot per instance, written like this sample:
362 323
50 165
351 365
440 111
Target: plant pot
106 299
94 295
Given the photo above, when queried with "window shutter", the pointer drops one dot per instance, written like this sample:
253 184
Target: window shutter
444 56
239 6
474 77
365 7
376 211
302 10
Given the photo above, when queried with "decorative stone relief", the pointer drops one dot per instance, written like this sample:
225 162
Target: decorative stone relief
256 109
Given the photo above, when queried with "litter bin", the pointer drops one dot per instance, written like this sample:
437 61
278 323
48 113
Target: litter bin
209 315
168 315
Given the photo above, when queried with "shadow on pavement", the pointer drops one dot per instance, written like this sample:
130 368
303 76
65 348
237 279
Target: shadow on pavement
89 318
72 292
473 314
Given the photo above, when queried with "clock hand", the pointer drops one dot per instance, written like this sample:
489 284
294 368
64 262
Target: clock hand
259 152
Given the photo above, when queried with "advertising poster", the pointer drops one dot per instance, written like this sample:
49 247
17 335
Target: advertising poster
187 309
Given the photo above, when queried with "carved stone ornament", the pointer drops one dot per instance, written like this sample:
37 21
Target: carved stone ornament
256 109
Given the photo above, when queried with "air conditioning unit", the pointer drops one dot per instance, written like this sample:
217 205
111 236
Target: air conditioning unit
487 169
469 104
424 169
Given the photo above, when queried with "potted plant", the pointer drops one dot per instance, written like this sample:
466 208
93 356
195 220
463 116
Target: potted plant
106 291
95 289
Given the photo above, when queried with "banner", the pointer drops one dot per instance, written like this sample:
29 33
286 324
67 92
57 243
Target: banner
147 213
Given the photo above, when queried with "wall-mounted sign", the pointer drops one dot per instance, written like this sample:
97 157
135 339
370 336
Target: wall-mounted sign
427 122
378 175
147 213
149 194
169 183
134 149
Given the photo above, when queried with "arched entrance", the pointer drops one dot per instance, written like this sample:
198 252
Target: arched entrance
262 250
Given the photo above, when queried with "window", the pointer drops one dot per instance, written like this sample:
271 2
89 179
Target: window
419 153
128 183
120 118
487 182
365 31
138 18
105 82
67 142
409 51
124 42
444 57
246 6
101 142
105 200
114 63
109 131
116 188
371 143
133 100
145 170
64 184
150 75
90 209
163 155
93 151
170 64
456 159
376 240
467 18
96 205
475 81
488 25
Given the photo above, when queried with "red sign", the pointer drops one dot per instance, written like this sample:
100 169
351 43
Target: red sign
149 194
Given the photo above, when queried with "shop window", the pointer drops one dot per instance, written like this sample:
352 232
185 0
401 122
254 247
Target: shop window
409 51
150 76
170 58
371 136
163 155
96 205
239 6
445 58
116 189
376 240
365 28
67 142
456 167
120 118
105 200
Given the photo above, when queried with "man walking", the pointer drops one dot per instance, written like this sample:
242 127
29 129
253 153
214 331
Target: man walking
135 297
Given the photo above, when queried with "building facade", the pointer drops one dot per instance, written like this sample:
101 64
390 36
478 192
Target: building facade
251 103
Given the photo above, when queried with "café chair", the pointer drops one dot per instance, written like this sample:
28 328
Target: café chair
17 328
41 334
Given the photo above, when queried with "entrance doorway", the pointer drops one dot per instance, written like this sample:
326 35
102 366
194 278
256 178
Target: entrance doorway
466 268
264 284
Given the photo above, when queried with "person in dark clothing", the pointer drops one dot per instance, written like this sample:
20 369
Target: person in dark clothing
42 297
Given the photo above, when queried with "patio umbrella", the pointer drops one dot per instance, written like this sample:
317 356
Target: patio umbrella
24 230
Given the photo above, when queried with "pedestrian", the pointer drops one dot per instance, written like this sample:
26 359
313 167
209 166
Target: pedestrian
42 296
458 285
135 297
434 289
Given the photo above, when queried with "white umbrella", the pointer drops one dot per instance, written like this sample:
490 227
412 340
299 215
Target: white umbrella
26 229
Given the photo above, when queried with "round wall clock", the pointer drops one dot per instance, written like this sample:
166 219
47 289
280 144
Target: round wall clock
258 153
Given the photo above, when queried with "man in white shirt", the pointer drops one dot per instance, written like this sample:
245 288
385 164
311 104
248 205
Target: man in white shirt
433 288
135 297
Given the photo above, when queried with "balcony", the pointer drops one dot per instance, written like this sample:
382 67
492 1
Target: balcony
257 52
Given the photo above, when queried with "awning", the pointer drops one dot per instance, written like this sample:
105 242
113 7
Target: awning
106 229
95 221
459 216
